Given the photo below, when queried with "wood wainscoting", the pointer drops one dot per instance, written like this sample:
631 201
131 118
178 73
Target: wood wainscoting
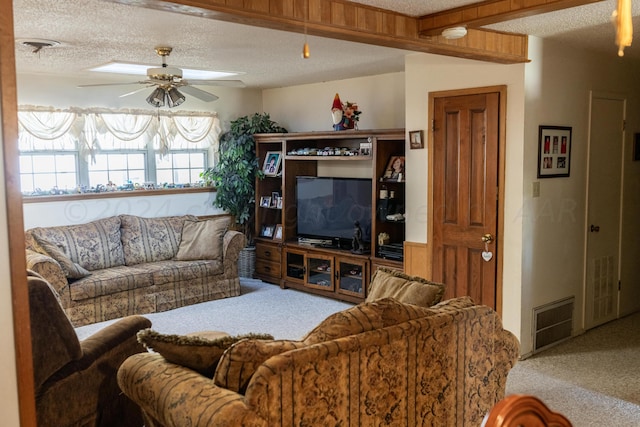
417 259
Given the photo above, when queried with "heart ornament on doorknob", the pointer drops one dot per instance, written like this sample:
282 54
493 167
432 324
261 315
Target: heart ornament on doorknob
486 255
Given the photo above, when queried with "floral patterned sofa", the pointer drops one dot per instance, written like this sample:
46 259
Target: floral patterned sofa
126 264
381 362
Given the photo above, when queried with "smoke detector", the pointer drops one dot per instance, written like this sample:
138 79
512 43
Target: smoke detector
36 45
454 33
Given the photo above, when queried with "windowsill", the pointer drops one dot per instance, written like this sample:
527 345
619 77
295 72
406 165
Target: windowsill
115 194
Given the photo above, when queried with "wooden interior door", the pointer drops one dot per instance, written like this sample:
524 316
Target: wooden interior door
603 209
465 195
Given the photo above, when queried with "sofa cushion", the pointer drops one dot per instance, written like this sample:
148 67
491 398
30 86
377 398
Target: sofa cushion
404 288
151 239
94 246
192 351
238 364
110 281
71 269
202 239
171 271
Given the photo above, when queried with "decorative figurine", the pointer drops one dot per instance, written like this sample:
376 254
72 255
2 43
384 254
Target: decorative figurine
356 244
345 116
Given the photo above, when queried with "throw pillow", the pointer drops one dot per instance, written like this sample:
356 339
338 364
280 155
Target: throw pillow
151 239
202 239
71 269
240 361
360 318
94 245
406 289
194 352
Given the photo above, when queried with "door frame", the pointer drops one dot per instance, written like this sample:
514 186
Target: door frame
502 127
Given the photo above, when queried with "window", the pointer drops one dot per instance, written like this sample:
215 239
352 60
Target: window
179 167
64 151
48 171
118 168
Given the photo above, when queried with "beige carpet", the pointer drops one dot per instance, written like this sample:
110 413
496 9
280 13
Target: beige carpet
593 379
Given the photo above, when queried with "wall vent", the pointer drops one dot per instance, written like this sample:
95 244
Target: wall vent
552 323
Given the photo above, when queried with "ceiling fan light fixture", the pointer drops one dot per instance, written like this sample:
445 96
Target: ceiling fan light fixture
157 97
454 33
174 97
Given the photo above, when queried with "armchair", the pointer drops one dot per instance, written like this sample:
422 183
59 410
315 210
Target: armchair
75 381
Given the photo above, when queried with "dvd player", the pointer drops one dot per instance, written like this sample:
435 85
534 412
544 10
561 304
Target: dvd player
314 242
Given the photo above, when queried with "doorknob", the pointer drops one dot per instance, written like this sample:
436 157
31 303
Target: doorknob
487 238
594 228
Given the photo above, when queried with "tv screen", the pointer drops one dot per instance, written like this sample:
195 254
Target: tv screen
329 207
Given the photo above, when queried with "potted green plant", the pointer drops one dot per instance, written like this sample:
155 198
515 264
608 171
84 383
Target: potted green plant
235 173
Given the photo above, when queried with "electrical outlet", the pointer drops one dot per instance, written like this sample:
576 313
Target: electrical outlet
536 189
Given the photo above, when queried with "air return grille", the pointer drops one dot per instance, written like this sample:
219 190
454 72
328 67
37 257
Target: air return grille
552 323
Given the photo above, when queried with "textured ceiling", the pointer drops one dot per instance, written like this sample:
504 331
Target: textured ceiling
94 32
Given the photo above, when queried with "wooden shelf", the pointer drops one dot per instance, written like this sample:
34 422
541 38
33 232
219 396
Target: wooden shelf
376 147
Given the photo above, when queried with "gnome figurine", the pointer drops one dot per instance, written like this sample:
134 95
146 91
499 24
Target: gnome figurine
337 113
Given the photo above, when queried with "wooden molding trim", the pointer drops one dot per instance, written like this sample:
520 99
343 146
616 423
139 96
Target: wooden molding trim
490 12
15 227
345 20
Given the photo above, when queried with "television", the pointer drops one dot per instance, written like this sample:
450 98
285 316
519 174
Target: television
329 207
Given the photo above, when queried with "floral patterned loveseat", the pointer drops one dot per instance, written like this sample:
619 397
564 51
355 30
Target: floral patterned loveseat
123 265
379 363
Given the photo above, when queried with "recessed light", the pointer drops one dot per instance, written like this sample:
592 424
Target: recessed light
141 69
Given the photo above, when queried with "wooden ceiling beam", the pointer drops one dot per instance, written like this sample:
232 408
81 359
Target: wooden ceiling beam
490 12
345 20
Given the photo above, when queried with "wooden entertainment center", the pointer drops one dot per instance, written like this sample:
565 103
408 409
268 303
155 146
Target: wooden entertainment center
333 271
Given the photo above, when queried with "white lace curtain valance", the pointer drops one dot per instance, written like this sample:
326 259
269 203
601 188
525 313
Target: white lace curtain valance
42 129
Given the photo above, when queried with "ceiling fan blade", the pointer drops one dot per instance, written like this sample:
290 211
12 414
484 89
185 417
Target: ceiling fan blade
135 91
199 93
215 82
111 84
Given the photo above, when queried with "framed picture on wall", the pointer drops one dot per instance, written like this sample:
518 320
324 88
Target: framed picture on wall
416 139
554 151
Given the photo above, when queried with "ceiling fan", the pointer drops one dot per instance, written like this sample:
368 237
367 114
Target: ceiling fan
167 80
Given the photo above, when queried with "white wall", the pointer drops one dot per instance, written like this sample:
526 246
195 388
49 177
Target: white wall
308 107
81 211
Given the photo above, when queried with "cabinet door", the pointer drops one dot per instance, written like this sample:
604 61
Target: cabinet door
294 270
352 276
319 269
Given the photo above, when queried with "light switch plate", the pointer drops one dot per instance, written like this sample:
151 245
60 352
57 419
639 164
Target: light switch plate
536 188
